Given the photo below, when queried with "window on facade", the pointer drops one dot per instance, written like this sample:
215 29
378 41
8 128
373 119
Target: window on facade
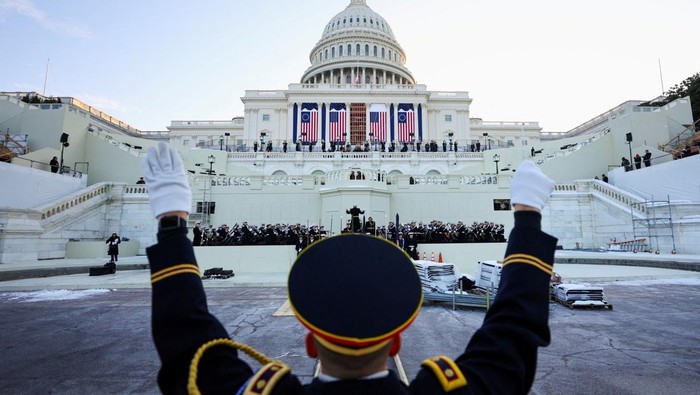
510 143
382 53
333 52
344 21
524 142
366 50
340 51
185 142
371 22
326 55
365 20
349 49
266 117
357 49
448 118
375 51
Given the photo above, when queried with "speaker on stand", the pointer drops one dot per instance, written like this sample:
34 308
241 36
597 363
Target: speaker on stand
628 136
64 144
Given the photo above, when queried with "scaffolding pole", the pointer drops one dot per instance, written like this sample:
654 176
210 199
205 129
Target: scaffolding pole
654 222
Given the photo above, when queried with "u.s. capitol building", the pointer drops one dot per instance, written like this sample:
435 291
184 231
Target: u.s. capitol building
294 156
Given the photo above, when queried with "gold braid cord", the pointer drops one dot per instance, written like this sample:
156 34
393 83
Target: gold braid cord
194 365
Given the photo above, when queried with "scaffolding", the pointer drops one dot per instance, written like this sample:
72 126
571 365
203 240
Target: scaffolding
656 222
204 206
13 145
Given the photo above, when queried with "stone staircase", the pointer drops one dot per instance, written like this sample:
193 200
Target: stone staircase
43 232
690 137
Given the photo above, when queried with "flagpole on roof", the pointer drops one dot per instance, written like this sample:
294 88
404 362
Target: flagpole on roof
661 75
46 76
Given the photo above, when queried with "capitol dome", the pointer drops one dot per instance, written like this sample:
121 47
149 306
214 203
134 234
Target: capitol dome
358 47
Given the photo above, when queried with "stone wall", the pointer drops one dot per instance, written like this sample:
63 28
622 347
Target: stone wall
583 215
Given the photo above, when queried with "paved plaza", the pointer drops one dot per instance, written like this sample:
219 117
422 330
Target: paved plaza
98 340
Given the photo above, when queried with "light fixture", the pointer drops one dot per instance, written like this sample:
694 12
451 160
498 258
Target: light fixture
211 160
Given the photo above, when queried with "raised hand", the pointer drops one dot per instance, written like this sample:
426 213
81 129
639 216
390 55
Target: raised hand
167 184
530 187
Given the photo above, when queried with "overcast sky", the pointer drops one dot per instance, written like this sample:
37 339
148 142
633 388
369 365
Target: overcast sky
149 62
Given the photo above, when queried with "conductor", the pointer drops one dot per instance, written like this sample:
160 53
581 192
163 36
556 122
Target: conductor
353 328
356 225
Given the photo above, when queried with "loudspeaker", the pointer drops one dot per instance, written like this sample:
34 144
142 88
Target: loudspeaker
64 138
629 137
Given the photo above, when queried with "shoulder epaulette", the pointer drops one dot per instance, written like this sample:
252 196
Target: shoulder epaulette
263 382
447 372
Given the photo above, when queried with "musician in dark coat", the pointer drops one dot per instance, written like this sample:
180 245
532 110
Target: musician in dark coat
197 233
113 247
370 226
411 246
300 245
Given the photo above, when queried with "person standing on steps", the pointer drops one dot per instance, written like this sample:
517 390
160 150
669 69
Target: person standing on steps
113 247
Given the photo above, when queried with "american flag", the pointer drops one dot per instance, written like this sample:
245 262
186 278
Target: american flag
377 125
406 125
309 125
337 122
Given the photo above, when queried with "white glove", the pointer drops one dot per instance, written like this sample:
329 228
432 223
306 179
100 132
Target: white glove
530 186
167 184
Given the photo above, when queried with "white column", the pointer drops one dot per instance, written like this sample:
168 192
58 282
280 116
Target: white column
347 122
290 123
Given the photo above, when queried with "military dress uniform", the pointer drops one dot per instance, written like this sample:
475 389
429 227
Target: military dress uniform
198 355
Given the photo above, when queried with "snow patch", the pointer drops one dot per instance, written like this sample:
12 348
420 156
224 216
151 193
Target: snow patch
675 281
49 295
